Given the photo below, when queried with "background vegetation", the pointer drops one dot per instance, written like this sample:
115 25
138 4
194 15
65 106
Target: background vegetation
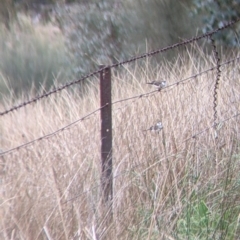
96 32
167 185
111 31
93 33
33 57
215 14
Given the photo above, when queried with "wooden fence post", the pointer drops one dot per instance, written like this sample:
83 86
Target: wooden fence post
106 134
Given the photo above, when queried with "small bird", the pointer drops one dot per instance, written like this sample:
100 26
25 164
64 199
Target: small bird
156 128
159 84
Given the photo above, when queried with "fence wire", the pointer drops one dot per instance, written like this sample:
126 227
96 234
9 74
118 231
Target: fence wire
149 54
143 95
57 175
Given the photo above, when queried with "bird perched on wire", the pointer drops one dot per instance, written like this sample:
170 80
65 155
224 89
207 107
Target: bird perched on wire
156 128
158 84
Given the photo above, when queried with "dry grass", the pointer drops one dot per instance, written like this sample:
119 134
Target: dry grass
167 185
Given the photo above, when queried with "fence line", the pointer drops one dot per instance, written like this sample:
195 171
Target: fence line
115 177
213 126
81 119
178 82
106 152
148 54
52 133
124 100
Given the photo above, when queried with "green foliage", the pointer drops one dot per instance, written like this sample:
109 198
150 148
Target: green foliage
217 13
107 31
209 213
196 220
30 59
201 222
97 36
7 13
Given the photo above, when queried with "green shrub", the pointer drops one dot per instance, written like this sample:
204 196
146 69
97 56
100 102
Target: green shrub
30 58
107 31
217 13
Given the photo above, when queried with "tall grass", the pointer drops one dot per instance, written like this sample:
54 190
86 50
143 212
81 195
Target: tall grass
167 185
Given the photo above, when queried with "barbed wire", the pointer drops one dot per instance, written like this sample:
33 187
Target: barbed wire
124 173
66 198
113 103
217 82
148 54
213 126
178 82
98 185
52 133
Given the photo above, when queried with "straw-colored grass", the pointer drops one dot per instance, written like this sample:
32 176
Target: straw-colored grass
166 185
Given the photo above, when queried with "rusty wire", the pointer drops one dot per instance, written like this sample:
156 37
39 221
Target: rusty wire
218 65
148 54
179 82
97 185
217 82
213 126
52 133
119 101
